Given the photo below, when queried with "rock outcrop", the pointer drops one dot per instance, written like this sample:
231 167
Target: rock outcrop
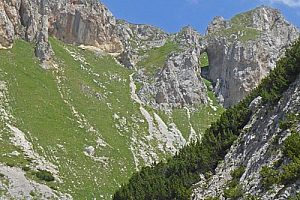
188 37
86 22
136 38
27 20
243 50
73 21
258 145
179 82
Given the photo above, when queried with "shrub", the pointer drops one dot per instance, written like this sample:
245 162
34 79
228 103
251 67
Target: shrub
212 198
10 164
234 189
269 177
25 168
291 146
237 173
233 192
291 172
296 197
289 121
44 175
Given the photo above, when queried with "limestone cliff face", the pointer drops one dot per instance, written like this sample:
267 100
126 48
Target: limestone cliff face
243 50
28 20
258 145
179 82
86 22
73 21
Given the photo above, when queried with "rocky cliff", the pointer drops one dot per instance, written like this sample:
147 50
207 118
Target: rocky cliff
244 49
73 21
27 20
178 82
261 143
86 22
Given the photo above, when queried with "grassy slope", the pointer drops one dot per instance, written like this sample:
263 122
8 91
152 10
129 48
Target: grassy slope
40 110
240 27
156 57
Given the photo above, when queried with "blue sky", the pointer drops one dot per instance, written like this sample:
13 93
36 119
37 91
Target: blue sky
171 15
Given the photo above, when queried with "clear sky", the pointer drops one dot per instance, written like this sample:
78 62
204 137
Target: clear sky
171 15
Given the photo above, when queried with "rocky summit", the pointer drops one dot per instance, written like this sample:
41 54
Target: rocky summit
89 102
243 50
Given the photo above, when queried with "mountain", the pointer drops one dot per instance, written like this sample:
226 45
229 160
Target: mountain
243 50
87 101
251 152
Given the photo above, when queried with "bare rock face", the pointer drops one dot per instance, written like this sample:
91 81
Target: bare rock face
243 50
179 82
86 22
73 21
136 38
257 146
188 37
7 31
27 20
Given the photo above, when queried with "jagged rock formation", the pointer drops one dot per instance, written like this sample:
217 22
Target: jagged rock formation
73 21
179 82
188 37
136 38
243 50
258 146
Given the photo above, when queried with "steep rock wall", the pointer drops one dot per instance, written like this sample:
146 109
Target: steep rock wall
179 82
73 21
243 50
84 22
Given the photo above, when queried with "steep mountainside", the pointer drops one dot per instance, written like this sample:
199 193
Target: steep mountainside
261 144
80 129
264 161
243 50
258 139
86 100
177 81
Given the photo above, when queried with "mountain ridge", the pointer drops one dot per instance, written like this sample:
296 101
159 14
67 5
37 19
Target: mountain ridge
110 96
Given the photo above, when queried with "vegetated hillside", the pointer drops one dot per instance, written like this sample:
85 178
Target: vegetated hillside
175 178
82 127
79 130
